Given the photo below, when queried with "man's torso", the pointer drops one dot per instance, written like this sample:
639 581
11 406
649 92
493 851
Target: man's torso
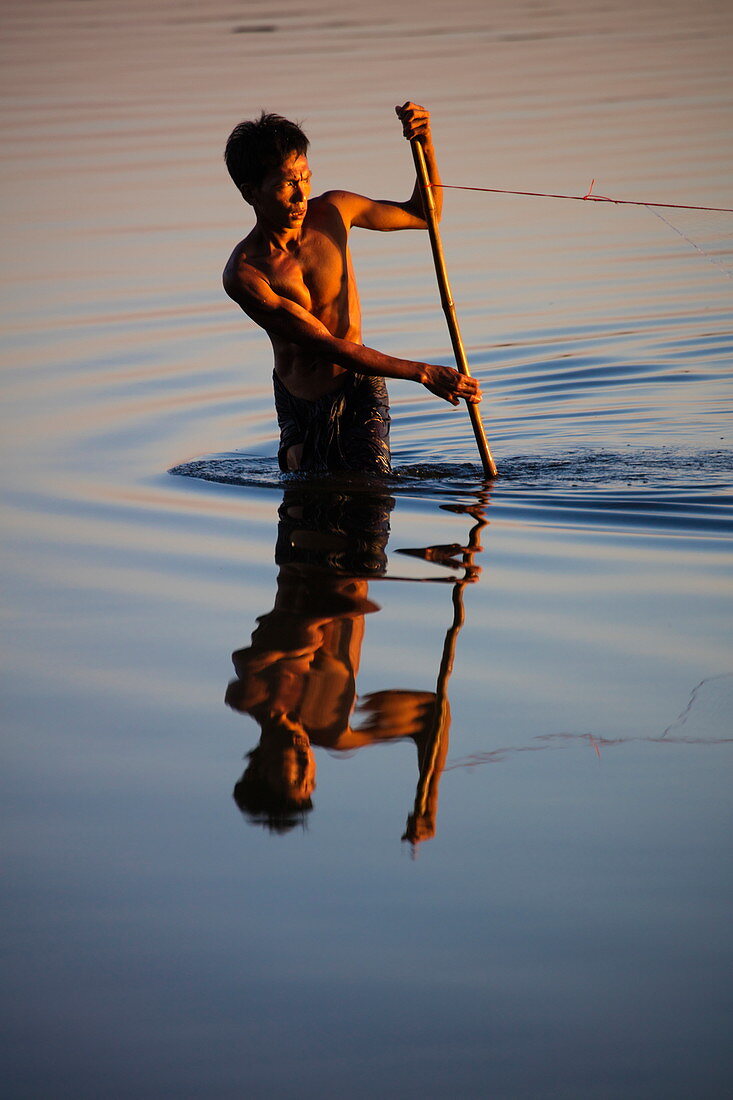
318 276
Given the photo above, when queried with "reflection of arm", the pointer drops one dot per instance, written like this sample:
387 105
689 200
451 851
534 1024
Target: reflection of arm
279 637
391 715
425 718
268 678
303 666
271 671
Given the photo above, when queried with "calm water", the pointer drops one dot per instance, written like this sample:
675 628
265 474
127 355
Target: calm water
536 695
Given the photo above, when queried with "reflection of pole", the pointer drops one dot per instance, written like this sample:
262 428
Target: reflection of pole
446 299
419 823
441 722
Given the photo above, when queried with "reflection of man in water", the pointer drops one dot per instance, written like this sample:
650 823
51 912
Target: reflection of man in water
293 275
298 677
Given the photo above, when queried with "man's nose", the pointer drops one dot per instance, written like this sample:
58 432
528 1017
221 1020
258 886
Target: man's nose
299 193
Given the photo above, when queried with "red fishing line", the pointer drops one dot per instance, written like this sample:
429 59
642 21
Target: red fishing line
589 197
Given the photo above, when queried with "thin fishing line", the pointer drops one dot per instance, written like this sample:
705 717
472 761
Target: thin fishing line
589 197
703 253
652 207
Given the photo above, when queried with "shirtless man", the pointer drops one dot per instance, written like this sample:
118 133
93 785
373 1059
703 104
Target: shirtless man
293 276
298 677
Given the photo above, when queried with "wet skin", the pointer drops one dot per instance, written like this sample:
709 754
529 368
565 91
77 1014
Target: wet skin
294 277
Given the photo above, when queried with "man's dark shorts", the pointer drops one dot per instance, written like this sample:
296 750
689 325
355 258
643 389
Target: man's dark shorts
347 429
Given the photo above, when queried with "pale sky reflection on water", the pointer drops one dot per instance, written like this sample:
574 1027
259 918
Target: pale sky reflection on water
564 931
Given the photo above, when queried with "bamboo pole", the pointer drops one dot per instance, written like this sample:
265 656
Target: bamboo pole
435 749
446 299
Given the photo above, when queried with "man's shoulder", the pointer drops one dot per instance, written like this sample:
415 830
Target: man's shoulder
357 210
241 270
335 197
336 203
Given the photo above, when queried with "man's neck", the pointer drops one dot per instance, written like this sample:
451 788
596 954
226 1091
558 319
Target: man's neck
278 238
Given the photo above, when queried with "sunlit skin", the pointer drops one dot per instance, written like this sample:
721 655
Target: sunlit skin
293 276
286 760
298 679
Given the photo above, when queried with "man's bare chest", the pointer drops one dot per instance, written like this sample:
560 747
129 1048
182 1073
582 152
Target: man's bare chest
315 276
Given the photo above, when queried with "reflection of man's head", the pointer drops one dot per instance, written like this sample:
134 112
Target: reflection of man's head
328 545
275 789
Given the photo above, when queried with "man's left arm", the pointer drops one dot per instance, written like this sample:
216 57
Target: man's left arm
381 214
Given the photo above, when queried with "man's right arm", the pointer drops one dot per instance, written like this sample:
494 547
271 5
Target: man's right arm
288 321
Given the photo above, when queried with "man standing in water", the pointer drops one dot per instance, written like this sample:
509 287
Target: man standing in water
293 276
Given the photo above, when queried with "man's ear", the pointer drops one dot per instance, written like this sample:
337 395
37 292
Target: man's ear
247 190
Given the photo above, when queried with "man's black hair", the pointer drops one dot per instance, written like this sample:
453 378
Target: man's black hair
263 806
256 147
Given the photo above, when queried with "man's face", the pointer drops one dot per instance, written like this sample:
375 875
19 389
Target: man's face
281 200
287 763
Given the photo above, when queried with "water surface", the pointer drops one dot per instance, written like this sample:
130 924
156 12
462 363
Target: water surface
529 682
